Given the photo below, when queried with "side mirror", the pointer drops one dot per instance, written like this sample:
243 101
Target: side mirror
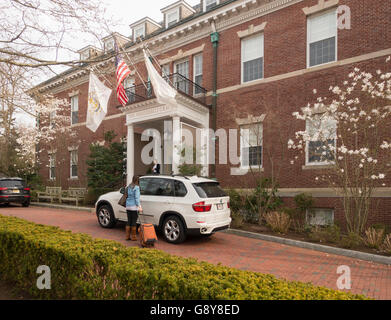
122 190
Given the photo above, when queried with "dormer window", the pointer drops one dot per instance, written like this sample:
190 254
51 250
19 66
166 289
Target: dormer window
139 32
209 4
85 55
109 45
172 17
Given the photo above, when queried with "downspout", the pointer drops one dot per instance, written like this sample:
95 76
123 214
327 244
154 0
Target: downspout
215 41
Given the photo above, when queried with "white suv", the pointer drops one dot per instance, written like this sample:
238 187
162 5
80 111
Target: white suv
176 205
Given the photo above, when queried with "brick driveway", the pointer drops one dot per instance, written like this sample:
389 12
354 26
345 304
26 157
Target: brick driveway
291 263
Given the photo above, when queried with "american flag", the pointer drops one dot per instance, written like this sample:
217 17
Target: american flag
122 72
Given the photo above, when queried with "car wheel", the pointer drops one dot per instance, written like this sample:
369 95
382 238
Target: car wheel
106 217
26 204
174 230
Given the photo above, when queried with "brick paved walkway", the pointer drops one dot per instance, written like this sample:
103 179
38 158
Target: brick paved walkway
283 261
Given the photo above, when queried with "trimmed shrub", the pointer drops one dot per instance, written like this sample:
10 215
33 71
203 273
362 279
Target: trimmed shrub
87 268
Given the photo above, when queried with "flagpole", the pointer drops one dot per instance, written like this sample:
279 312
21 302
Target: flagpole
157 62
92 68
133 65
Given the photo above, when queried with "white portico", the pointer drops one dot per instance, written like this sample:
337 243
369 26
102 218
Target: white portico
169 128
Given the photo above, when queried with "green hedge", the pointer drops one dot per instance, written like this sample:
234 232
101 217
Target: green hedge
86 268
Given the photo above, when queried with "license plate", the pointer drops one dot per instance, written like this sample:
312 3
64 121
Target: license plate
16 191
220 206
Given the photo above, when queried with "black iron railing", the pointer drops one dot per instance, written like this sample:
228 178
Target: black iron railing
182 84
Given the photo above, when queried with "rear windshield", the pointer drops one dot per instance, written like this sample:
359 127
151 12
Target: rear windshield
209 190
11 183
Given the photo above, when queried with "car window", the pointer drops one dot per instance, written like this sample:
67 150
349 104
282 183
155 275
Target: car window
143 185
209 190
12 184
158 187
180 189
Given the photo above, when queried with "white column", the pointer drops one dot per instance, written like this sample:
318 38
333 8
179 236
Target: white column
176 143
130 154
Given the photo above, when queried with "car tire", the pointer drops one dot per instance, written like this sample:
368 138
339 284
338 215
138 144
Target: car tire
26 204
173 230
106 216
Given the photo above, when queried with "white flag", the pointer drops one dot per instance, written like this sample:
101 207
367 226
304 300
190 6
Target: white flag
98 98
165 94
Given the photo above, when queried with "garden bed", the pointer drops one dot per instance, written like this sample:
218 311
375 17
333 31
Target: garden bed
262 229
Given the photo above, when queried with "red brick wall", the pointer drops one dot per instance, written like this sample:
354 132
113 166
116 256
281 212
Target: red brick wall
285 51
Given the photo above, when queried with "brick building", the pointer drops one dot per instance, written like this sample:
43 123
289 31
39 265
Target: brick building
236 63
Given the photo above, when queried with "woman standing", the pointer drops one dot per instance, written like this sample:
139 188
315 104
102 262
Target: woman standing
133 206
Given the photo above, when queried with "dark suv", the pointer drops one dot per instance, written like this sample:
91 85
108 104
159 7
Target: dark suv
14 190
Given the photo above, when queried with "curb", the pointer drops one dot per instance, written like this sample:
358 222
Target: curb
313 246
59 206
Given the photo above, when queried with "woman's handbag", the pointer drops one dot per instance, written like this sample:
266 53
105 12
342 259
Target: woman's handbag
122 201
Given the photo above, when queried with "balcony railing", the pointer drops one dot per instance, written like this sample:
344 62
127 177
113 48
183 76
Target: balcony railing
184 86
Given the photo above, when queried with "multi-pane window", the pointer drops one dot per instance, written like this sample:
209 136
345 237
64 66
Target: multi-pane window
172 17
252 58
322 142
130 89
198 62
52 119
322 38
251 137
209 4
74 162
166 72
52 166
74 109
139 32
109 45
85 55
320 217
181 83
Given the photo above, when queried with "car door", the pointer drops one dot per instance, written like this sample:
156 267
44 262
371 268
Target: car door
157 196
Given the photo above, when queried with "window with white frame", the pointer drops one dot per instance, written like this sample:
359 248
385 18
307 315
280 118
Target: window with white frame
320 149
52 119
198 66
85 55
74 156
109 45
252 58
130 89
172 17
322 38
166 71
139 32
74 110
181 83
251 140
320 217
52 166
209 4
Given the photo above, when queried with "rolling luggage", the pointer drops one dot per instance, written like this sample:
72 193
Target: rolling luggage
147 235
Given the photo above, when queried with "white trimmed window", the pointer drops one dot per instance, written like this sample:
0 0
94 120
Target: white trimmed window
320 217
139 32
166 71
181 83
52 166
322 38
323 139
251 140
198 66
252 58
209 4
109 45
74 110
85 55
172 17
74 156
130 89
52 116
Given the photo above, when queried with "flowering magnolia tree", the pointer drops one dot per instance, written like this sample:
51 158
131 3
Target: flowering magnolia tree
51 131
349 133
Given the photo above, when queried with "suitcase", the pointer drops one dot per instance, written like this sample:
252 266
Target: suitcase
147 235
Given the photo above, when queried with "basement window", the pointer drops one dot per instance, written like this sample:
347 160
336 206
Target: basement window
320 217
